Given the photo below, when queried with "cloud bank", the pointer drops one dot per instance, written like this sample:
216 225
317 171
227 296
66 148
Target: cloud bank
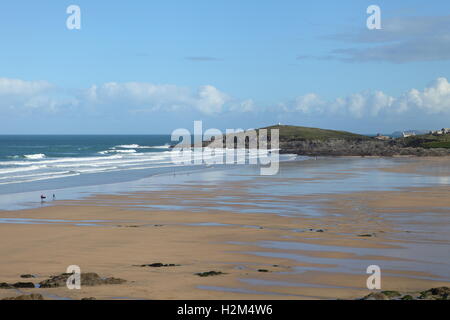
20 97
433 99
147 97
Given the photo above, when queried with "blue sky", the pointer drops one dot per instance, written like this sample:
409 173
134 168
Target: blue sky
154 66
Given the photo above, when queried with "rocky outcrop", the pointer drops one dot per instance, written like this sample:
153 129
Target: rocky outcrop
383 295
334 147
159 265
33 296
87 279
441 293
17 285
209 274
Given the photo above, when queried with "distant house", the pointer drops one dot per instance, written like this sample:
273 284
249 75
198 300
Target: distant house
407 134
441 132
381 137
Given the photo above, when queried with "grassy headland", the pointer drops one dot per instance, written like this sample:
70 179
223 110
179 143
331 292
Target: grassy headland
322 142
295 133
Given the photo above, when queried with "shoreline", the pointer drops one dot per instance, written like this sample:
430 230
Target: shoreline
82 191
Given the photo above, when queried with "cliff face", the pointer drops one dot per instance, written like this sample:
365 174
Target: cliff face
337 147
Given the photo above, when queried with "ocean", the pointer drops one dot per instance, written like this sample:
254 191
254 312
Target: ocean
40 162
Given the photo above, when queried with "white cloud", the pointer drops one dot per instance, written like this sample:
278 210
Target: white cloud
17 87
433 99
143 96
309 103
137 95
247 105
22 96
210 100
117 99
131 97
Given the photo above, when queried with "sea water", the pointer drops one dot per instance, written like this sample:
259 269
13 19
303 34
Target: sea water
31 165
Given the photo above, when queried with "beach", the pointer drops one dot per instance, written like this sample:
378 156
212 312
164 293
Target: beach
309 232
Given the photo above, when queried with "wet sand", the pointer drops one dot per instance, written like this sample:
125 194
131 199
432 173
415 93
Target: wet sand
308 233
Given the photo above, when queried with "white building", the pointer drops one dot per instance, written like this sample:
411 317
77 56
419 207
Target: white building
408 134
441 132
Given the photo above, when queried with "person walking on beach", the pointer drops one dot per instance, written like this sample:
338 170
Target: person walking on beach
43 198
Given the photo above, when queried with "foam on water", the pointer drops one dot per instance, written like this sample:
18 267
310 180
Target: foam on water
35 156
118 151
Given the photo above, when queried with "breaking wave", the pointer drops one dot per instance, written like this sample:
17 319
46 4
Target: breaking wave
34 156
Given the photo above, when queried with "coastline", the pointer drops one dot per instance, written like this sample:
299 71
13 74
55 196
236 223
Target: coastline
313 242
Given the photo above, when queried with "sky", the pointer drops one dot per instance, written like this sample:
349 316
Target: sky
148 67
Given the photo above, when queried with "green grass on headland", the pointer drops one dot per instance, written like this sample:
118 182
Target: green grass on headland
296 133
427 141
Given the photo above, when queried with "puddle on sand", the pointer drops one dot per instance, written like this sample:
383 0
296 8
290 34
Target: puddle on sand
260 282
247 291
415 257
217 224
95 223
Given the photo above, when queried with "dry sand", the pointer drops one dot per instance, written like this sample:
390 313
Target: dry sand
166 226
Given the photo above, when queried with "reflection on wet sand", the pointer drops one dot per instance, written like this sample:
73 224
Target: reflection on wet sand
309 232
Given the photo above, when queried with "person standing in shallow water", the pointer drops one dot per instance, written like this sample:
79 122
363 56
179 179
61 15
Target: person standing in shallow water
54 197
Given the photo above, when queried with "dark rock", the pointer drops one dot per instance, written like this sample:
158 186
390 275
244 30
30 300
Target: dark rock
55 281
34 296
316 230
159 265
89 298
209 273
27 276
391 294
23 285
376 296
441 293
263 270
87 279
383 295
4 285
366 235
